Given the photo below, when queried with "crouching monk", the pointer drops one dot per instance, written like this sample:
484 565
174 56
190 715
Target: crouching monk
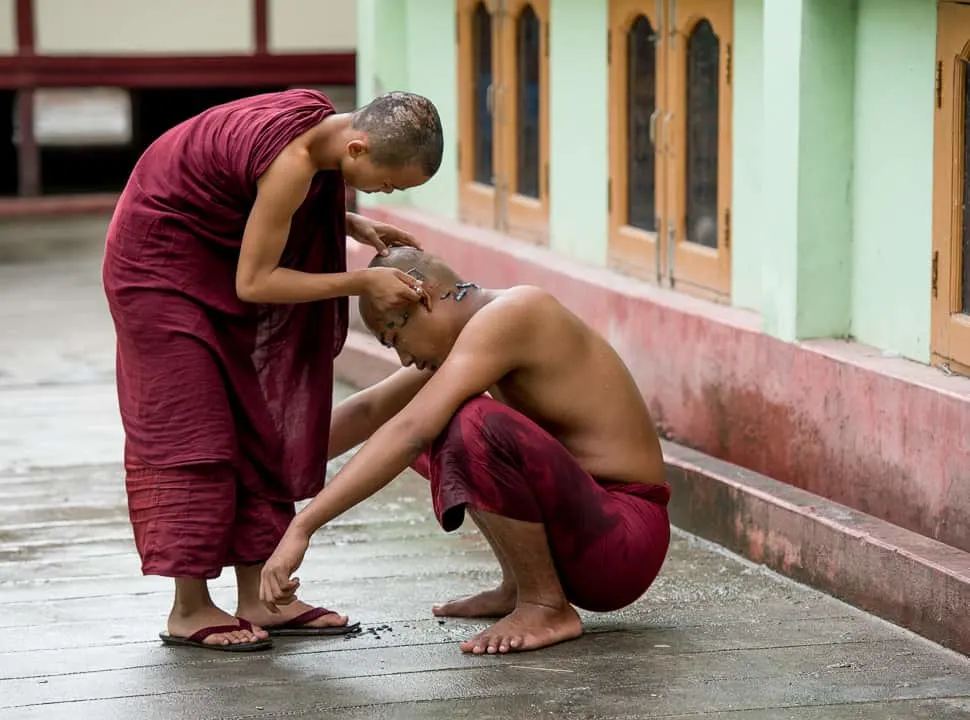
558 464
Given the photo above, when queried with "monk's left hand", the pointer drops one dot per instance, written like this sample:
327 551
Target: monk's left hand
275 585
378 235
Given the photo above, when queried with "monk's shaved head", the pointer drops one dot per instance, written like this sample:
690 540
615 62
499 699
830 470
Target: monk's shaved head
402 129
421 265
429 269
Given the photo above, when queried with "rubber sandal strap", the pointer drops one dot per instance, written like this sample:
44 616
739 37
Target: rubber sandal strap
205 632
308 617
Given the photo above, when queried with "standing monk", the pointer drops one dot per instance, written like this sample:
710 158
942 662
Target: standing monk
226 278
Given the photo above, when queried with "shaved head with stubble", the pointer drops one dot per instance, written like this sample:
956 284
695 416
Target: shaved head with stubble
424 332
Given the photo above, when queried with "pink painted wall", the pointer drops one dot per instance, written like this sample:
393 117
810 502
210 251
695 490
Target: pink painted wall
885 436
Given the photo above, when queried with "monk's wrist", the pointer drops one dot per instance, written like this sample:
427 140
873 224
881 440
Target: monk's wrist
357 281
302 526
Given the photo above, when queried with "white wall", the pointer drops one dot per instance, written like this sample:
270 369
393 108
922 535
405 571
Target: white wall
8 27
308 26
123 27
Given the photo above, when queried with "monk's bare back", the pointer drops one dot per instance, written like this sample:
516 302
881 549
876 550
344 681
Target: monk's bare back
569 381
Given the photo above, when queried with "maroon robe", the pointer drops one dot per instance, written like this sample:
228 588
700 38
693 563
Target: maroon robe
225 404
608 540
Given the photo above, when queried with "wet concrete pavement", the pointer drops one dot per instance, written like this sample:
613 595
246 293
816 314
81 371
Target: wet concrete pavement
714 638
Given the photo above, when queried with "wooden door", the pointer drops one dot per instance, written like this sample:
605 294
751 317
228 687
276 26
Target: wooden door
638 149
950 283
698 215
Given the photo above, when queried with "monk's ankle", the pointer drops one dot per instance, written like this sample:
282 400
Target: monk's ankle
507 589
188 610
549 600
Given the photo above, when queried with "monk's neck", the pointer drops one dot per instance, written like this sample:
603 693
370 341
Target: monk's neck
469 299
328 140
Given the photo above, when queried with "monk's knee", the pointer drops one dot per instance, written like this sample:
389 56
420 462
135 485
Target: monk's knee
483 426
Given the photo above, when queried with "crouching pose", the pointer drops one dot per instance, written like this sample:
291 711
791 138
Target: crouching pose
523 417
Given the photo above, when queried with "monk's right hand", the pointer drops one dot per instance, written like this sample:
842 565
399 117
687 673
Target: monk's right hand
275 585
391 289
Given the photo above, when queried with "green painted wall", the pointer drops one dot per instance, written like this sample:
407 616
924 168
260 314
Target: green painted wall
410 45
825 179
781 101
808 92
894 175
747 209
579 129
432 58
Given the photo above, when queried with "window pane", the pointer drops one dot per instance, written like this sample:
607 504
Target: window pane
482 62
527 130
641 102
703 54
965 254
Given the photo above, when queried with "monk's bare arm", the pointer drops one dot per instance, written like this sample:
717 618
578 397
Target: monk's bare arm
259 278
359 416
488 349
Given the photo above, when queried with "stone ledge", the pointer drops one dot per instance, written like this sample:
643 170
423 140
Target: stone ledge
904 577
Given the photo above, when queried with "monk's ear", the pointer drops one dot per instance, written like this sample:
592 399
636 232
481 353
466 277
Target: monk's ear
426 295
356 148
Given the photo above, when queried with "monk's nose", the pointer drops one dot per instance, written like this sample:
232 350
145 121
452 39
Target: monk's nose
406 360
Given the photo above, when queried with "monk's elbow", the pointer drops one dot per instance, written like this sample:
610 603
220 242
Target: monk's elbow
414 437
247 290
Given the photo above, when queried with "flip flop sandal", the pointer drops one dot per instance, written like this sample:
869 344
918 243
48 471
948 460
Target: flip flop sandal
196 639
297 627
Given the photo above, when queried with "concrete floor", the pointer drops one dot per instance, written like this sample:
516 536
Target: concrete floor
714 638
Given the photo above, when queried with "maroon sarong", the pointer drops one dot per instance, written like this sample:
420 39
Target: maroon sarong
206 381
608 539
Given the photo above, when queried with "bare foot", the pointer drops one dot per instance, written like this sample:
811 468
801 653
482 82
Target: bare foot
528 627
184 626
491 603
261 615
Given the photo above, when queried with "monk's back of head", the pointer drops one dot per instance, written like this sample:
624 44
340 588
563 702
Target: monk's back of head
402 129
421 265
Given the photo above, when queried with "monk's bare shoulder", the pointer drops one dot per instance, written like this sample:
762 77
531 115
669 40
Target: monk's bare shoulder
526 304
516 312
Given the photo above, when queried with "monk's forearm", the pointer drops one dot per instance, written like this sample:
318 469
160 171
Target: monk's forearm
351 424
363 413
382 459
283 286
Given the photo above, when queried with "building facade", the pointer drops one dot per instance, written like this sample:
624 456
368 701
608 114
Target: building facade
86 85
759 202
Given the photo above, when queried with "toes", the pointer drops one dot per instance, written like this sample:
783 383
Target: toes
476 645
330 620
498 644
